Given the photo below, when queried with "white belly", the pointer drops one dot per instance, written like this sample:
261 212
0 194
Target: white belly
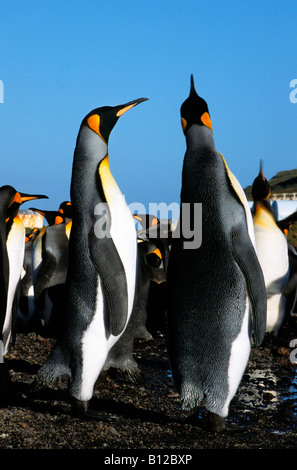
240 352
95 344
16 250
272 252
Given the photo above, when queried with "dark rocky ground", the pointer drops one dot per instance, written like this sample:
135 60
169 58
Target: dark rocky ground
146 416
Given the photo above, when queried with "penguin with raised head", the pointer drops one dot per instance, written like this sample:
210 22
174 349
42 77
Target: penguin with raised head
12 249
216 290
102 266
272 250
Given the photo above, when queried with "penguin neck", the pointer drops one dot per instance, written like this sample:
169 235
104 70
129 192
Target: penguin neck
203 165
198 137
91 144
90 150
264 215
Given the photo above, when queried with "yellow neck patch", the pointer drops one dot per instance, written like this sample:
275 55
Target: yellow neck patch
108 182
264 218
236 186
68 228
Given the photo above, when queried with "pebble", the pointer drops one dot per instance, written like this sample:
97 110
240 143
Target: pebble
111 430
269 395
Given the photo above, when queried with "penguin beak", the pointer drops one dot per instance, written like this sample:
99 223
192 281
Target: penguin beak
37 210
29 197
17 198
125 107
20 198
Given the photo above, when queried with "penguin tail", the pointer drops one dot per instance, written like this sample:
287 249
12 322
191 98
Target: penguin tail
56 365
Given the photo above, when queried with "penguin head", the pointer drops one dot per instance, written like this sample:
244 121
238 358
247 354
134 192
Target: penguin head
52 217
102 120
31 236
260 188
65 209
11 199
194 110
151 255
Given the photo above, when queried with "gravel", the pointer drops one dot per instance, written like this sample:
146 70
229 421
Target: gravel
126 416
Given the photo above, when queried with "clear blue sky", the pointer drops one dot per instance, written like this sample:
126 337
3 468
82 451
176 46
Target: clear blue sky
60 59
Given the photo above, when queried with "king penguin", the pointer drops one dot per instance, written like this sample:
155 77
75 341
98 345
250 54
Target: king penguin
216 290
65 209
102 266
150 270
12 250
26 301
272 249
50 262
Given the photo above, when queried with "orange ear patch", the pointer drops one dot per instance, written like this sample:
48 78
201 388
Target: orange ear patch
205 118
94 123
183 123
156 252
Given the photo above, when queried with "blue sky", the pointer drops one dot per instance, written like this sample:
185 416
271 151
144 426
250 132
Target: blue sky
61 59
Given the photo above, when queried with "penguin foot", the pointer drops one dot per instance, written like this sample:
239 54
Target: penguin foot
215 423
80 408
37 385
134 375
144 334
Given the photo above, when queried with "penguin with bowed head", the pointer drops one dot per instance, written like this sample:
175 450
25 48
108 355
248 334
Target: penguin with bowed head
150 270
26 302
50 261
102 267
216 290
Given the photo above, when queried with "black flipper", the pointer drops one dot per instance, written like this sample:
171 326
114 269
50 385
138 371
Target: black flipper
109 265
4 273
46 271
246 257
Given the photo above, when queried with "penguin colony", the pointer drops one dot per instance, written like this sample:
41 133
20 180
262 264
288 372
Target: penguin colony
97 286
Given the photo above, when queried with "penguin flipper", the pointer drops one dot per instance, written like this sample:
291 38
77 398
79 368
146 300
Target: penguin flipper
109 266
4 274
45 273
247 260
